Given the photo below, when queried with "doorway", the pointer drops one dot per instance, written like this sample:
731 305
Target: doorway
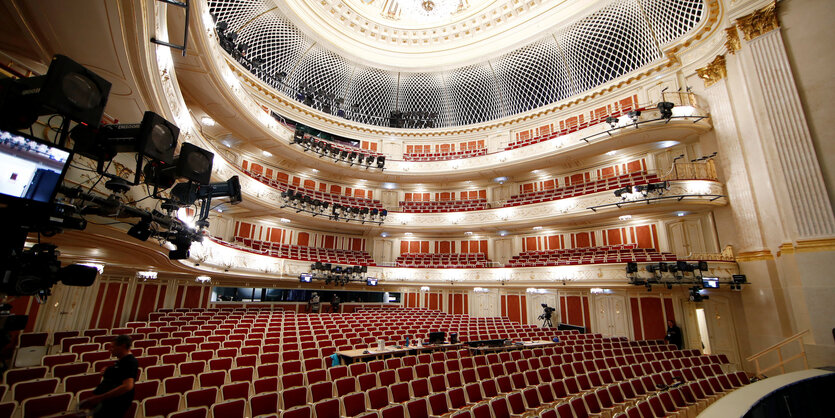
704 335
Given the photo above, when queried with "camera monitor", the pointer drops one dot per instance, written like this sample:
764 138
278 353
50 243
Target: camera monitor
305 277
710 283
371 281
30 169
436 337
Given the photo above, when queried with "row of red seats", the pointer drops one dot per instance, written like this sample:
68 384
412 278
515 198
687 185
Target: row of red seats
587 256
298 252
436 206
443 156
344 200
594 120
574 190
436 260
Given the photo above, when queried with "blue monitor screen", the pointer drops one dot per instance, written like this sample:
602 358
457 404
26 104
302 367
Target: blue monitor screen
30 169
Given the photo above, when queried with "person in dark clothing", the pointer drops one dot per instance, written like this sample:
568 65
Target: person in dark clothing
673 334
335 303
113 396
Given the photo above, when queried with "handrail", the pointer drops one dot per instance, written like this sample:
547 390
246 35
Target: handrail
781 361
775 346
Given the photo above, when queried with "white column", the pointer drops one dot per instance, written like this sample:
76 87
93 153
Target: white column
731 156
786 137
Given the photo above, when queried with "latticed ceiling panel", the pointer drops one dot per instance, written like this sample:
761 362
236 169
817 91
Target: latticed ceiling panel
674 18
598 48
473 95
322 72
532 77
608 44
374 91
422 92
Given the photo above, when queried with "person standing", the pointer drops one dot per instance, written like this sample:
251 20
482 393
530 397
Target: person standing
335 303
313 305
673 334
113 396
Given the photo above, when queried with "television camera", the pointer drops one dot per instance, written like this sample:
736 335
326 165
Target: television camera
547 311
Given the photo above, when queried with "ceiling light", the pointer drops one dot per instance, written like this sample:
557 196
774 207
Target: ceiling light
502 233
384 234
468 233
625 217
408 234
611 152
267 153
537 228
480 290
680 214
203 279
500 180
314 171
389 186
284 220
424 288
207 121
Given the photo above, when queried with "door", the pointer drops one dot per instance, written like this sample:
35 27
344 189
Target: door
503 250
610 315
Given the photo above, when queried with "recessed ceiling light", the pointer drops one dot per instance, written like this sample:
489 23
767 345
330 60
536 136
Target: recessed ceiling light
267 153
537 228
284 220
611 152
384 234
625 217
468 233
500 180
207 121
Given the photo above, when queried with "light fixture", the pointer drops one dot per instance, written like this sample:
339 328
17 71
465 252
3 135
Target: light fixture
312 170
408 234
207 121
389 186
284 220
613 152
680 214
500 180
146 275
266 153
468 233
612 121
537 228
384 234
625 217
502 233
203 279
623 191
424 288
97 266
480 290
633 115
666 109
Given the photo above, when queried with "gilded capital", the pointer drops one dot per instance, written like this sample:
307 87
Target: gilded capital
714 71
759 22
732 40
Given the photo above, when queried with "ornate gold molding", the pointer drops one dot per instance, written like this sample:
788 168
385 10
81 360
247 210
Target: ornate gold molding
748 256
759 22
732 43
714 71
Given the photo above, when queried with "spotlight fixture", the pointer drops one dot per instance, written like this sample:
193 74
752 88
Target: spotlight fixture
631 267
633 115
624 190
612 121
141 231
666 109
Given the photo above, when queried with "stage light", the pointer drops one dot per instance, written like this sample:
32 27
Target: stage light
381 161
631 267
67 88
624 190
666 109
633 115
195 163
613 122
141 231
642 189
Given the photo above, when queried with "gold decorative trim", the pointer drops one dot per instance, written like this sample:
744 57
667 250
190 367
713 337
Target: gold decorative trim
814 245
732 43
759 22
787 248
749 256
714 71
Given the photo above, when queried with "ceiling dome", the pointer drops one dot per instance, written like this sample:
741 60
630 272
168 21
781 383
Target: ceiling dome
616 38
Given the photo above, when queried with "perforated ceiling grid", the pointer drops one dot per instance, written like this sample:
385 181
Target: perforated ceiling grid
619 38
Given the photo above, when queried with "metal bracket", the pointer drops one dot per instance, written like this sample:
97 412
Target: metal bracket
182 47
